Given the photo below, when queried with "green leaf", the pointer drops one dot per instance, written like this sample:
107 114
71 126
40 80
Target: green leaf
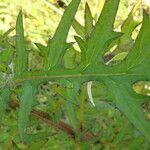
57 45
119 79
5 35
69 59
88 21
43 49
130 23
37 145
78 28
26 103
21 53
4 99
103 33
6 56
83 46
140 52
124 100
125 42
71 104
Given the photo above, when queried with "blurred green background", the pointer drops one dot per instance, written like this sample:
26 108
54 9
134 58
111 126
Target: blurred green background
41 17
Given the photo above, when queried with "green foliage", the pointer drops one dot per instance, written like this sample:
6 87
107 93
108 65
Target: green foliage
21 54
26 103
57 45
4 99
6 52
115 87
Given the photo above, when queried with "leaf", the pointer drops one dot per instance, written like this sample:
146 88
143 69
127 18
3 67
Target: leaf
85 31
125 102
119 79
125 42
83 46
78 28
4 99
26 103
124 97
103 33
21 53
6 56
140 52
130 23
71 97
69 59
37 145
88 21
5 35
43 49
57 45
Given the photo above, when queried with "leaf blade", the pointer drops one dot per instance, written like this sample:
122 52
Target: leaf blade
26 103
21 53
57 44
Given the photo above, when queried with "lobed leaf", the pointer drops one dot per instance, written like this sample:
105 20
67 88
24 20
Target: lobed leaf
57 45
125 42
119 79
140 52
102 34
124 100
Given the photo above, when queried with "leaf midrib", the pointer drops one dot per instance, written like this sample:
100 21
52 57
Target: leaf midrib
83 75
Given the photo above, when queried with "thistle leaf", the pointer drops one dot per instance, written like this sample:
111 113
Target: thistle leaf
26 103
78 28
119 79
57 46
5 35
102 33
71 97
88 21
140 52
125 42
21 53
126 104
83 46
43 49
